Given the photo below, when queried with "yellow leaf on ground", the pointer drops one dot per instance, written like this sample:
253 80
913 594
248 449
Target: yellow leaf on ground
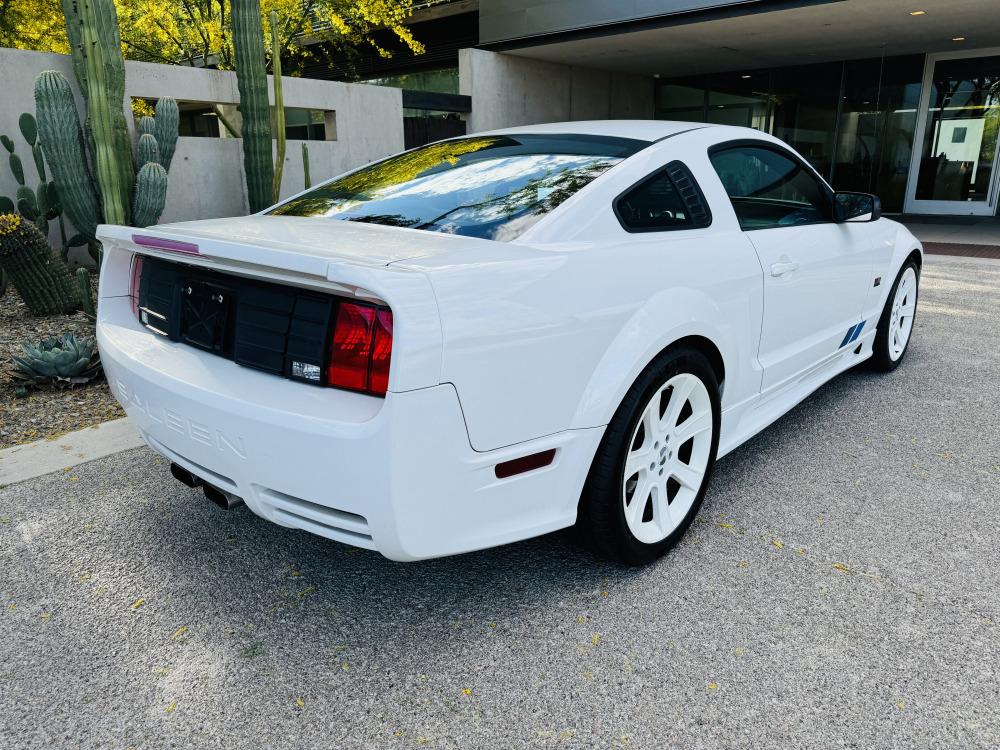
596 639
841 567
713 686
778 543
466 691
179 633
138 603
300 704
171 708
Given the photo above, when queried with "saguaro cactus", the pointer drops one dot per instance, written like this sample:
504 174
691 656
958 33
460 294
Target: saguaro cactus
165 129
42 280
62 138
150 194
95 44
279 108
104 96
147 150
251 79
305 166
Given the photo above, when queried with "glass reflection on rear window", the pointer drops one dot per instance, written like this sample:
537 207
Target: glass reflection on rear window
493 187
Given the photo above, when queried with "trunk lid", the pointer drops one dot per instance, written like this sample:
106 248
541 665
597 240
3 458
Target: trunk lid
293 243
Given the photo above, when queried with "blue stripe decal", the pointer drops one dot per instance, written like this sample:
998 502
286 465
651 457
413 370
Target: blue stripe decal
857 331
847 337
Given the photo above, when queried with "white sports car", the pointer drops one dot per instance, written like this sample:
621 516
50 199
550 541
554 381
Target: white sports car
496 336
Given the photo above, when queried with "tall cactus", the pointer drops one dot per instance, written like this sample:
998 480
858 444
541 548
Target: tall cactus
251 79
95 44
165 129
105 91
62 139
279 108
150 194
147 150
42 280
305 166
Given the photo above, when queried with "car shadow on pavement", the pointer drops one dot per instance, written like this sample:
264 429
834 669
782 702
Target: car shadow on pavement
246 568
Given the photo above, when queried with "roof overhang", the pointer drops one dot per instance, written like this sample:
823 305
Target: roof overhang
762 34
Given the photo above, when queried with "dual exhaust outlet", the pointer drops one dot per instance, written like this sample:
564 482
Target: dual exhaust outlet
225 500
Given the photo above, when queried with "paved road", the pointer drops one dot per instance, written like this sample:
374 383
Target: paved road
839 590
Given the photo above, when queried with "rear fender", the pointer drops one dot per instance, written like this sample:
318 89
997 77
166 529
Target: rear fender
642 339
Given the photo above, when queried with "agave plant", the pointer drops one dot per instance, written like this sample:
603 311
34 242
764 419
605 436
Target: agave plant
62 362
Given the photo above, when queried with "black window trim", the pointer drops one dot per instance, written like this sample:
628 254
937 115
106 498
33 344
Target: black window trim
665 169
781 151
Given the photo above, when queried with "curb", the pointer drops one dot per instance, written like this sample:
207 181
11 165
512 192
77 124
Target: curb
31 460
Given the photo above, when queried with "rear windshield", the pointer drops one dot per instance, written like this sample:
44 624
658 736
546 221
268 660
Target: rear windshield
493 187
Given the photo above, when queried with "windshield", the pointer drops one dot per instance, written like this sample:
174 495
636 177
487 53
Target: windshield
493 187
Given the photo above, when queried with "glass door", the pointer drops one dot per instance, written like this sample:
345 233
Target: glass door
954 169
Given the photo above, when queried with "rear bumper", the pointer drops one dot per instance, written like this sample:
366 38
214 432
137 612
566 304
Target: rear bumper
396 475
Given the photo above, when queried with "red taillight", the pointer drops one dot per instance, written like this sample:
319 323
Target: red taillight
381 353
361 348
133 285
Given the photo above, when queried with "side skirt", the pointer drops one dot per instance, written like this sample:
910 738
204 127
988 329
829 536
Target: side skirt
742 423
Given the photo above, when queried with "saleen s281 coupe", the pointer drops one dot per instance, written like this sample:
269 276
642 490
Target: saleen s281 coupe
496 336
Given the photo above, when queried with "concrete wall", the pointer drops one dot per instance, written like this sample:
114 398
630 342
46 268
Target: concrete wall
508 90
206 175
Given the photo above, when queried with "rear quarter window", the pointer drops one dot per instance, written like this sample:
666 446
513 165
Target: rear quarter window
667 199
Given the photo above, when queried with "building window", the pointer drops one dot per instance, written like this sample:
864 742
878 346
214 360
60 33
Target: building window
853 121
305 124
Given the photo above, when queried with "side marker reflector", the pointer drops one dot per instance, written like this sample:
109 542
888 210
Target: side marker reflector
525 463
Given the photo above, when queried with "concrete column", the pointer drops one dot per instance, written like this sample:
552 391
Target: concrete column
507 90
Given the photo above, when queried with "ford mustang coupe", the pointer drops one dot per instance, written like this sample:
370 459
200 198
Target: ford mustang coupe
496 336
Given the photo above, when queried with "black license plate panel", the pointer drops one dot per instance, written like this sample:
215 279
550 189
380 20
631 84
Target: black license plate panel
206 312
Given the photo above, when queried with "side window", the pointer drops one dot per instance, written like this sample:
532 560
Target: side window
667 199
769 189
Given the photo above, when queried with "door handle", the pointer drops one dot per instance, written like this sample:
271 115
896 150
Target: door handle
780 269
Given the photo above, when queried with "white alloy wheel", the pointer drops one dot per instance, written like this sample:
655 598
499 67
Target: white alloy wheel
667 459
904 305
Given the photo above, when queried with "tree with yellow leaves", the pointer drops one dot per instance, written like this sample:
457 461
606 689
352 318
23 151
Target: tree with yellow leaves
197 32
33 24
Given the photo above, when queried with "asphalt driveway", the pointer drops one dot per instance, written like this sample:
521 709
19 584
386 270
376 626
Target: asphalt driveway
840 589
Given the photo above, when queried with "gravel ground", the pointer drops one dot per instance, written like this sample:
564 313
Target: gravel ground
839 590
45 413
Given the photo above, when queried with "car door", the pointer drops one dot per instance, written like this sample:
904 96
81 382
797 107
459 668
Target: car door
816 271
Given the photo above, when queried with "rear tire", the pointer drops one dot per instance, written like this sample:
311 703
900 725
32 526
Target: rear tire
895 326
653 465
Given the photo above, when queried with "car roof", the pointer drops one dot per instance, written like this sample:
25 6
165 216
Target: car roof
645 130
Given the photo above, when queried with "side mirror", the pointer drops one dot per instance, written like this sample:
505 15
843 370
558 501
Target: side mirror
857 207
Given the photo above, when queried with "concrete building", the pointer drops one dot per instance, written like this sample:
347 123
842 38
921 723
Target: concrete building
896 97
353 125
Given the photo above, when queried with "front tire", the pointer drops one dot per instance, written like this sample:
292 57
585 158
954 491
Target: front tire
895 327
652 468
